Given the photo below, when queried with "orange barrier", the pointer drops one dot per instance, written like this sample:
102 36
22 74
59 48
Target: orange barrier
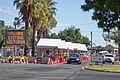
21 61
117 62
60 59
3 61
51 61
12 62
35 61
54 62
84 57
26 60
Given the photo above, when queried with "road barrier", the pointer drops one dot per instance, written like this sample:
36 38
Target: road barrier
35 61
21 61
3 61
26 60
12 62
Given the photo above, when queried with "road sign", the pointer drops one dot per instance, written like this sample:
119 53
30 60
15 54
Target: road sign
15 37
97 60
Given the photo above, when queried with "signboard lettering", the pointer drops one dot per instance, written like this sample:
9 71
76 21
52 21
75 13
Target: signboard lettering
15 37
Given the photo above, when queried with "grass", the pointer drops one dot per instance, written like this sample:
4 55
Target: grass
104 68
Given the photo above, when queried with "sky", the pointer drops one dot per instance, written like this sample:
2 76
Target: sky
69 13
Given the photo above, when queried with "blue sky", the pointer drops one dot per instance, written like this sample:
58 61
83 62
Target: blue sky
69 13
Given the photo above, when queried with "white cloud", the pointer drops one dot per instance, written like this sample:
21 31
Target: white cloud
7 10
0 9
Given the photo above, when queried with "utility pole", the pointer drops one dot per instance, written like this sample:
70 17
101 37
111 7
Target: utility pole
91 40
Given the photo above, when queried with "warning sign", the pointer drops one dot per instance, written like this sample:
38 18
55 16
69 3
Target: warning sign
15 37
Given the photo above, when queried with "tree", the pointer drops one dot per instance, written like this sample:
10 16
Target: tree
106 13
17 22
85 40
53 35
39 15
71 34
3 28
24 7
48 21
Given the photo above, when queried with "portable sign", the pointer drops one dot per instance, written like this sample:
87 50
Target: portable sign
15 37
97 60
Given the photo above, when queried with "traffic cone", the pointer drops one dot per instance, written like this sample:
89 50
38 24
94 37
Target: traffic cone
117 62
3 61
35 62
12 62
26 60
21 61
51 61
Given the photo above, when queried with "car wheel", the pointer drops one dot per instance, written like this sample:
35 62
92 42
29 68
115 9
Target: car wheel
79 62
103 62
68 63
112 62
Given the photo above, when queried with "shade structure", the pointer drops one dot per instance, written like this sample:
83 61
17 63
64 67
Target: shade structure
51 43
60 44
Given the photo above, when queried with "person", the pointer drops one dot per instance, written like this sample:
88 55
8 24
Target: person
18 52
65 54
26 50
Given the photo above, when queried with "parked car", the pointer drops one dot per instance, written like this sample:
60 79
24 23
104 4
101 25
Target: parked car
74 58
39 59
109 58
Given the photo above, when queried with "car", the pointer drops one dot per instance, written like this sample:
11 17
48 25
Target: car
39 59
109 58
74 58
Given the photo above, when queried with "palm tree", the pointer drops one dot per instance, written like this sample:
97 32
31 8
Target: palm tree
17 22
39 15
42 18
24 7
48 21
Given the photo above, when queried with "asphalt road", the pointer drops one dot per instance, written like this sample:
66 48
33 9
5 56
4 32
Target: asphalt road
52 72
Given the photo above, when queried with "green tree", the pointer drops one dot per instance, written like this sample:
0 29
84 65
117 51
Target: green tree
85 40
72 34
48 21
106 13
53 35
24 7
17 22
3 28
39 14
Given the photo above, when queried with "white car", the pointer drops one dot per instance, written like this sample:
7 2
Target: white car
109 58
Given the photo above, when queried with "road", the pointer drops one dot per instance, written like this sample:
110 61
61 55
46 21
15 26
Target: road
51 72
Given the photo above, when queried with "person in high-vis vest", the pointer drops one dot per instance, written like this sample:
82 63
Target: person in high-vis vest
65 54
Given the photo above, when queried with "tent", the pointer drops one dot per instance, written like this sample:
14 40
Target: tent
60 44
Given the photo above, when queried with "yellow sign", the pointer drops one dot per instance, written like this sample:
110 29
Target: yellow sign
16 37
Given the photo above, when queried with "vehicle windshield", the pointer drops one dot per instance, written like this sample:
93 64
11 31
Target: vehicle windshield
74 55
109 56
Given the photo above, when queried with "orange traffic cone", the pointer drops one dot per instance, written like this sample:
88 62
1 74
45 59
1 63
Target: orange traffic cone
21 61
51 61
117 62
35 62
12 62
3 61
26 60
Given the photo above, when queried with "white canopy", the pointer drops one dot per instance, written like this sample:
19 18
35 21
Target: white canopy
60 44
51 43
